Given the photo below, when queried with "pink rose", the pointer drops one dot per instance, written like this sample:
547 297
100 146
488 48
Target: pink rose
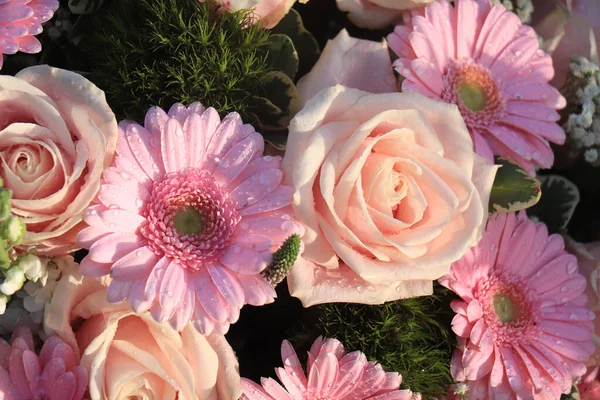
267 12
588 259
355 63
390 191
569 28
57 134
376 14
132 356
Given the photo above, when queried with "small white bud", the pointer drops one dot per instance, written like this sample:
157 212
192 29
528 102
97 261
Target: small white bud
3 300
32 267
14 280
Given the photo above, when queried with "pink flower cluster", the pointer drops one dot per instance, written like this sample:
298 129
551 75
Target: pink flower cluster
54 374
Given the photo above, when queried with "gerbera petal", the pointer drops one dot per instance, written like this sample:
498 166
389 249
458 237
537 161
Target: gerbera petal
209 297
172 290
274 389
237 158
228 285
173 149
135 265
144 146
279 198
112 247
257 187
243 260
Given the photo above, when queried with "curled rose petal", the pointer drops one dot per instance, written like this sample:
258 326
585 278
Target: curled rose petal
356 63
376 14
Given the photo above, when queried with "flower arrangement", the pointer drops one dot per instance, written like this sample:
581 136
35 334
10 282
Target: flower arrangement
307 200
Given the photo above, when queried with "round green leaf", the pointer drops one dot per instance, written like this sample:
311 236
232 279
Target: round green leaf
282 56
304 42
559 198
513 188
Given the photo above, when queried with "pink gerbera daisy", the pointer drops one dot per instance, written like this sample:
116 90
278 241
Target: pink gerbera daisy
53 375
332 375
187 217
20 20
484 60
524 329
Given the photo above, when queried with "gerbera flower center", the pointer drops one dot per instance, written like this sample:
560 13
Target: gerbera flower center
473 89
472 94
507 309
188 221
189 217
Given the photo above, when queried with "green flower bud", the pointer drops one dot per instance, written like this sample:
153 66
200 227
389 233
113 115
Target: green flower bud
13 229
5 261
283 260
5 196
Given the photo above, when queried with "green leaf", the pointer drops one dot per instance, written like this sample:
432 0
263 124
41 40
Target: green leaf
513 188
304 42
559 198
282 104
84 6
574 395
278 139
282 56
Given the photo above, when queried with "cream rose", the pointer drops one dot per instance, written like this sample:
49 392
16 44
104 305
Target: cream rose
57 133
376 14
130 355
390 191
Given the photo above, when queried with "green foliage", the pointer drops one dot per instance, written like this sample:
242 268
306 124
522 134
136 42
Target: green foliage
412 337
513 188
282 55
559 198
84 6
283 260
574 395
304 43
147 53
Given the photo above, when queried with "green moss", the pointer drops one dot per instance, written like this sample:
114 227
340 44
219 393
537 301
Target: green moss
412 337
145 53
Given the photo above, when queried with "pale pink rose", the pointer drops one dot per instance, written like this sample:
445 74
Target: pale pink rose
266 12
568 28
57 133
130 355
390 192
354 63
376 14
588 258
